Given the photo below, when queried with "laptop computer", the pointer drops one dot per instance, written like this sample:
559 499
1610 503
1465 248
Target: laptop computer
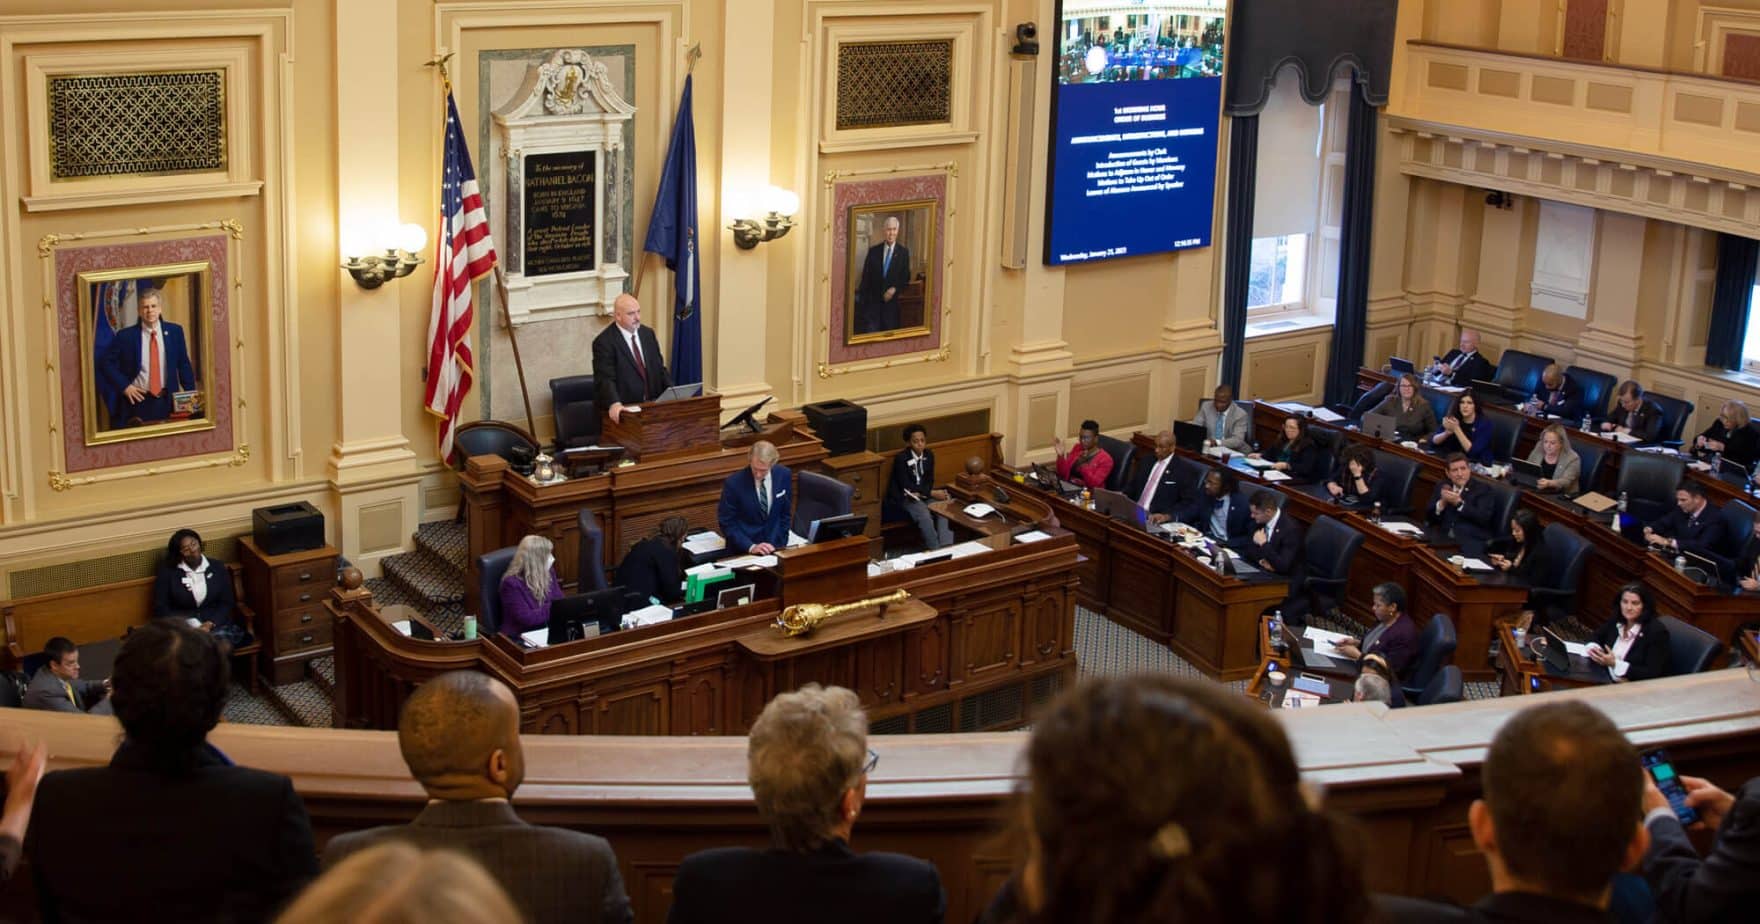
1307 657
1380 426
1400 365
1187 435
677 392
1047 478
1119 507
1524 473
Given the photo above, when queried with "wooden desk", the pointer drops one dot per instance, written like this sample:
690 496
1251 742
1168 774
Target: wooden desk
1521 673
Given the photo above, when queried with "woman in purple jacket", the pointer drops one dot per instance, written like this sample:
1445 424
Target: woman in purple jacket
529 587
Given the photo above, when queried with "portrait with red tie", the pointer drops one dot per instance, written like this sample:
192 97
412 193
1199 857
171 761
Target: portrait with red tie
146 339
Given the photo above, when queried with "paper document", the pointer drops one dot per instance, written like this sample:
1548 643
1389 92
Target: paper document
704 543
1325 642
593 448
1294 407
1474 564
1327 414
1623 437
1580 649
1032 535
746 561
1273 475
402 626
1216 452
1402 528
1296 699
537 638
966 548
705 570
647 616
1258 463
795 540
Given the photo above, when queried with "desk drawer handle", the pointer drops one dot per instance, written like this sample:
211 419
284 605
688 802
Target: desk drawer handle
304 597
306 639
305 618
305 575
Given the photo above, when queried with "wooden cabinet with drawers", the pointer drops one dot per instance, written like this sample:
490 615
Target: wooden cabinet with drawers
862 471
287 591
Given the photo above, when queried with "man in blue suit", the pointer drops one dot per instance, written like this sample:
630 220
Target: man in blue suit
754 508
147 363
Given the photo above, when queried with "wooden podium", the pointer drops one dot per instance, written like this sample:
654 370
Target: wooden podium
824 572
665 428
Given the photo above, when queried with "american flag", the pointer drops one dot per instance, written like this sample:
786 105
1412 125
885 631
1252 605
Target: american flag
463 253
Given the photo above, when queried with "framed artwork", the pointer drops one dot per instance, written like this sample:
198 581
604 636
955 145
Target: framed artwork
146 351
888 266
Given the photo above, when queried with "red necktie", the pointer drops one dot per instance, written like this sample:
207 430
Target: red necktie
636 353
155 382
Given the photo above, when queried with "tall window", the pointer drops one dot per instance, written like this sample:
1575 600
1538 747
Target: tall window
1297 201
1278 272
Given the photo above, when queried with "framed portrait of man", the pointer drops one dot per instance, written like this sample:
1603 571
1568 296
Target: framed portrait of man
891 276
146 351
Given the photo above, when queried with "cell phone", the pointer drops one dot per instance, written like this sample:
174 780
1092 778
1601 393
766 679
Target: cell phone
1656 763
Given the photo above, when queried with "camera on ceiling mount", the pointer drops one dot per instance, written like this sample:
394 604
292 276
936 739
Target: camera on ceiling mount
1026 39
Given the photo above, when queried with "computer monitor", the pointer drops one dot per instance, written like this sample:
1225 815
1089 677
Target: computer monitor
1401 366
749 417
677 392
844 526
1190 436
737 595
575 616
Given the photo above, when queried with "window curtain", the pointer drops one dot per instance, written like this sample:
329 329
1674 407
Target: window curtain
1730 303
1350 326
1243 174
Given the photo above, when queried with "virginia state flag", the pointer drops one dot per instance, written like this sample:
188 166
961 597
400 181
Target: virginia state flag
672 233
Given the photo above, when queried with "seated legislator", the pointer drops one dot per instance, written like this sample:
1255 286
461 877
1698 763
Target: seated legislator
1156 489
1395 635
808 764
1633 645
1084 462
1561 469
1375 666
56 686
912 486
1276 545
1558 395
628 365
1522 554
654 566
191 587
1464 431
1465 365
21 796
529 587
1634 415
1693 526
459 734
1371 687
1691 889
1295 453
170 828
754 508
1461 509
1219 511
1731 435
1225 423
1108 842
399 884
1358 483
1748 563
1413 417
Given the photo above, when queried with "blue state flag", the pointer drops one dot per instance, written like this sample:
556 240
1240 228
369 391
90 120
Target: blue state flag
672 233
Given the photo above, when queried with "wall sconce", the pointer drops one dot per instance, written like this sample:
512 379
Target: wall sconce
390 254
776 208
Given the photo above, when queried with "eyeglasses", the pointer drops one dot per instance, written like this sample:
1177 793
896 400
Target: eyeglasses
873 761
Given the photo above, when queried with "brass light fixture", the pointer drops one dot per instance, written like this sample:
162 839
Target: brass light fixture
392 256
770 218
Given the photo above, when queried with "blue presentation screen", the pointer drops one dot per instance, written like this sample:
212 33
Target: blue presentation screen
1136 101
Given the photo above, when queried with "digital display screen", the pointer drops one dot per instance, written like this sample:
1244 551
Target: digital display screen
1136 102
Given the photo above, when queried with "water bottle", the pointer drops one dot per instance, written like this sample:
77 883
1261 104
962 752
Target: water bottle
1586 423
1716 463
1375 515
1680 564
1276 630
1622 502
1087 499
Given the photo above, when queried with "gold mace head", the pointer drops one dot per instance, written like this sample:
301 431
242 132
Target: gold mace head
803 618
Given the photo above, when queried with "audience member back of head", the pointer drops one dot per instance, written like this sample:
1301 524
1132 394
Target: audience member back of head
398 884
170 828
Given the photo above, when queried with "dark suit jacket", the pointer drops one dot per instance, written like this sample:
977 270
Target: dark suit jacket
1170 496
1648 427
1476 368
1505 908
832 883
742 521
1750 557
123 363
46 692
652 568
904 478
1741 447
552 874
218 843
1703 535
1399 645
1380 489
1648 656
615 379
876 280
1472 519
172 599
1285 548
1240 523
1305 463
1565 401
1725 885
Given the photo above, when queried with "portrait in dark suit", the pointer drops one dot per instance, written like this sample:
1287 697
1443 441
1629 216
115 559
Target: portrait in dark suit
144 334
890 275
620 376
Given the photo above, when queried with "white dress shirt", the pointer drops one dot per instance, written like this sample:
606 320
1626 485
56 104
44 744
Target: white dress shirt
196 579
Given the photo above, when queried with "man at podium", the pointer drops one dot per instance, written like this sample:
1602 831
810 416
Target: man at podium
754 508
628 366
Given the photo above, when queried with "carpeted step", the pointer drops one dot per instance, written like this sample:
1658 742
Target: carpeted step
444 540
426 580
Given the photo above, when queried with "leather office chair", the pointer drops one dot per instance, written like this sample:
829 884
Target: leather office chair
817 497
1504 431
1566 555
1691 649
1590 456
1738 526
1448 686
491 567
12 690
1121 453
1436 644
576 411
1674 417
1328 550
493 438
1190 475
1440 401
1518 373
1508 496
1402 473
1649 481
1597 389
590 560
1367 402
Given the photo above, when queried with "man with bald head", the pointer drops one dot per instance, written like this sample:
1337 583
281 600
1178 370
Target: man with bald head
628 367
1464 365
459 734
1156 488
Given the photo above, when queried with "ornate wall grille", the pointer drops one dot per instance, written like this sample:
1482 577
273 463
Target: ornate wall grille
883 84
135 124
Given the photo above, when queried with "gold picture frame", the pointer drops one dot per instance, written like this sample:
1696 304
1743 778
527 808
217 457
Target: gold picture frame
110 356
872 315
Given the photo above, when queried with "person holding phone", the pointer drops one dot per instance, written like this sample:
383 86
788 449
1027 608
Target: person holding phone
1723 885
1633 645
